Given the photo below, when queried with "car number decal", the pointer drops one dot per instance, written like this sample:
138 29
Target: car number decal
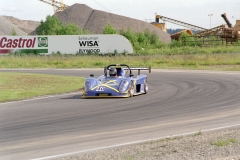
100 88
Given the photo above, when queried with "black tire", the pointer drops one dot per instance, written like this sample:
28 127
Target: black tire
145 88
131 90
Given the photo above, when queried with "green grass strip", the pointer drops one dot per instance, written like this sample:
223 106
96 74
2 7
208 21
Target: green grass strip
18 86
219 61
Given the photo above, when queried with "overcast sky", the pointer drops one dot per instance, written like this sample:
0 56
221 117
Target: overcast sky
190 11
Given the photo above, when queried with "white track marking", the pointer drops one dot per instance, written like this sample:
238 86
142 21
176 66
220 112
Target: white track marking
42 97
130 143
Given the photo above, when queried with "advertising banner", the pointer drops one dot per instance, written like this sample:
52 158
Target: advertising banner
66 44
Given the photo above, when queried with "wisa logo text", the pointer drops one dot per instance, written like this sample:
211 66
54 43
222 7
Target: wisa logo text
88 43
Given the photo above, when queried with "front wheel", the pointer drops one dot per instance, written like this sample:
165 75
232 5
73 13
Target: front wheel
131 90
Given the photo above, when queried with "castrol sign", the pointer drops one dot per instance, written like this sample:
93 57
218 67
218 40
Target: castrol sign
17 42
69 44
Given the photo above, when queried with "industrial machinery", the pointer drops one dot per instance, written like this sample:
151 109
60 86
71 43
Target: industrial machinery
211 31
226 20
228 32
231 33
176 36
162 26
57 5
187 25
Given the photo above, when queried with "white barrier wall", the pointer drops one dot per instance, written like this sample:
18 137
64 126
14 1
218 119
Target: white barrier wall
66 44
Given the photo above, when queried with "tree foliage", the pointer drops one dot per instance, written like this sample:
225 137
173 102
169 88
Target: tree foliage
109 30
53 26
142 40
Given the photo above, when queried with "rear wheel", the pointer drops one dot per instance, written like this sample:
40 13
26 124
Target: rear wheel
145 86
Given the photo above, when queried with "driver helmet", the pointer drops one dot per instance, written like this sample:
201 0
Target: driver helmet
120 72
112 72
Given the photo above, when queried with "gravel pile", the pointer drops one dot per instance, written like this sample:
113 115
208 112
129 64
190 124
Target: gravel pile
214 145
95 21
25 25
86 18
6 27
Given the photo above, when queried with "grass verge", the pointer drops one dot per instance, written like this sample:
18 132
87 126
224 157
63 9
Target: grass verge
218 61
18 86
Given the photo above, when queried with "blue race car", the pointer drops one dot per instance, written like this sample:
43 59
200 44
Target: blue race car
118 81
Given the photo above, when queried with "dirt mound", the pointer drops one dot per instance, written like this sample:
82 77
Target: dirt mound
7 28
86 18
78 14
95 21
25 25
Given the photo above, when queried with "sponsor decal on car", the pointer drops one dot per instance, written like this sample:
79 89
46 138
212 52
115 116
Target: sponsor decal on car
100 88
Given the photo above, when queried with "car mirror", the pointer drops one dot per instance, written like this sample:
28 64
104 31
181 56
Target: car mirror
91 75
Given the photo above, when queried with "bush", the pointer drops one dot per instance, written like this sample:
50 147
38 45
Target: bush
53 26
109 30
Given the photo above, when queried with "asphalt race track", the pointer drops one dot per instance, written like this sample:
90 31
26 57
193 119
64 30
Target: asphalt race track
178 102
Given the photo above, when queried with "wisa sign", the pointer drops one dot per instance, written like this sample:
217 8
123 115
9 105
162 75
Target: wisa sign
66 44
17 42
89 44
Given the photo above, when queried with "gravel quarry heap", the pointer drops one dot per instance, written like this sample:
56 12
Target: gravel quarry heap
8 24
7 27
86 18
26 26
95 21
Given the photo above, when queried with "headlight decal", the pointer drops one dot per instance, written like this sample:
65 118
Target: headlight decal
123 86
87 85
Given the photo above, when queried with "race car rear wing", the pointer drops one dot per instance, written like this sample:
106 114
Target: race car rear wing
126 67
139 69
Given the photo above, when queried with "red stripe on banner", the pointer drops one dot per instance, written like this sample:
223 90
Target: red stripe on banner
4 51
